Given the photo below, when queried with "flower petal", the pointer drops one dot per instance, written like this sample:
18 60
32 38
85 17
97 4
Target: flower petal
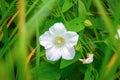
46 40
57 29
117 36
71 38
67 53
88 60
53 53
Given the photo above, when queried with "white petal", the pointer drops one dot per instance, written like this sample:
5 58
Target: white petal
117 36
88 60
57 29
71 38
46 40
53 53
90 55
67 53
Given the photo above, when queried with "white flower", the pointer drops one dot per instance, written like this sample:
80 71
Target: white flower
117 36
59 42
88 60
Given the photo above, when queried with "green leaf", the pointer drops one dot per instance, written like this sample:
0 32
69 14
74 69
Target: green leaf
65 63
82 67
48 72
82 10
66 6
66 71
75 25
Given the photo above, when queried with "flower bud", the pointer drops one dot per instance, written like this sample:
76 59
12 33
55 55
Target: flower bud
87 23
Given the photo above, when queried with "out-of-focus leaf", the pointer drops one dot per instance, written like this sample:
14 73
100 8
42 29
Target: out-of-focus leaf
65 63
75 25
66 6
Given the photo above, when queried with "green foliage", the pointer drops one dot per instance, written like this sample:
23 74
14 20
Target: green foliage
19 37
66 6
75 25
48 72
91 73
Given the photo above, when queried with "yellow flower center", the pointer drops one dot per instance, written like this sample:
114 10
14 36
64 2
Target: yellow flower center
59 41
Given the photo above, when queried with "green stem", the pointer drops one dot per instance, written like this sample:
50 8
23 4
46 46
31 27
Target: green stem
32 6
37 53
61 14
6 12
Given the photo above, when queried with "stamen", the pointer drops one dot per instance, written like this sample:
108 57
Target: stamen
59 41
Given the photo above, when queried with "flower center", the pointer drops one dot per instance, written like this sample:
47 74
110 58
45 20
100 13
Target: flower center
59 41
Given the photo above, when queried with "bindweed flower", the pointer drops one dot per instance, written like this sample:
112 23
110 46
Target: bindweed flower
88 60
117 36
59 42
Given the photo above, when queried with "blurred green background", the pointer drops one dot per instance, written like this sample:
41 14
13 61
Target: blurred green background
23 21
